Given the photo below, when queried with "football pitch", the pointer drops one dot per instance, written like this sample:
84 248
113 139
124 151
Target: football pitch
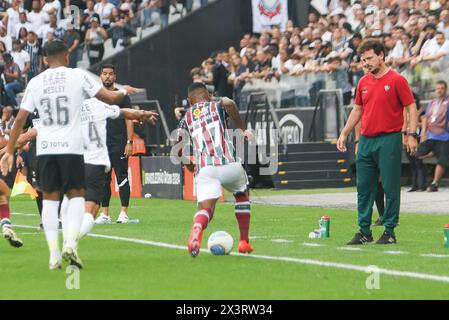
149 260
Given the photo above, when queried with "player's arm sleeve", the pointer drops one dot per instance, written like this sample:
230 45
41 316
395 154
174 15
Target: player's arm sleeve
358 97
112 112
90 86
27 102
404 92
182 133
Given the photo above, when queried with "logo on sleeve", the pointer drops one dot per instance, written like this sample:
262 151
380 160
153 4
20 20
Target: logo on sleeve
197 113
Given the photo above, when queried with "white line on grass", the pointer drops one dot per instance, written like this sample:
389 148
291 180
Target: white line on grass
434 255
24 214
349 249
270 237
308 244
329 264
31 233
395 252
281 241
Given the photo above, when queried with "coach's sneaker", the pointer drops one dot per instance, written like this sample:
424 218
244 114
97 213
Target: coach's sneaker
386 238
12 238
71 255
122 218
245 247
196 235
433 187
360 238
103 219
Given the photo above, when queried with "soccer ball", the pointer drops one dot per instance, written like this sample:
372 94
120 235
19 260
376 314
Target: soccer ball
220 243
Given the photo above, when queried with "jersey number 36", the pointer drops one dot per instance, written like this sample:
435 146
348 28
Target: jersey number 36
55 110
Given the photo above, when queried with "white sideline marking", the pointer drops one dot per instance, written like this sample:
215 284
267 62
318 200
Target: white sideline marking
270 237
349 249
281 241
308 244
395 252
434 255
24 214
329 264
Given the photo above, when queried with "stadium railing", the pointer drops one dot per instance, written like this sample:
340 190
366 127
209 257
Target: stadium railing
289 91
302 91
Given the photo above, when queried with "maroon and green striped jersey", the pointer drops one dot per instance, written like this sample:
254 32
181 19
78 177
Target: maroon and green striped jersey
205 124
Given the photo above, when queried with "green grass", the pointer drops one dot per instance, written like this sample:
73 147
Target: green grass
117 269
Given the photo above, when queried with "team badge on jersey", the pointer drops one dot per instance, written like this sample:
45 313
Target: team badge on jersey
387 88
197 113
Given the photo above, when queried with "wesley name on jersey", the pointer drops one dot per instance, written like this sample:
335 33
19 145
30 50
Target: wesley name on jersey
59 116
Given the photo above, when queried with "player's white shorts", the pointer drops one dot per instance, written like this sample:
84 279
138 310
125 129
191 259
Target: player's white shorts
210 179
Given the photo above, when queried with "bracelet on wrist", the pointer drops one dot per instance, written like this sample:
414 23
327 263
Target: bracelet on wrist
356 141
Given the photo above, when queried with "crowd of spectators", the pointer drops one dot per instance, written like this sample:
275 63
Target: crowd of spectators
415 33
27 26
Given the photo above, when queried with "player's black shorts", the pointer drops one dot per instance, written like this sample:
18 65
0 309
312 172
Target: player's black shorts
60 172
439 148
94 182
31 164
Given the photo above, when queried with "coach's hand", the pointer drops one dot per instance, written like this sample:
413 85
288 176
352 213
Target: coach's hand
20 163
341 143
412 145
130 90
148 116
128 150
405 141
249 135
6 163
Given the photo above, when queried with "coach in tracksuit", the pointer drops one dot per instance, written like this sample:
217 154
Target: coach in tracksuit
120 148
381 98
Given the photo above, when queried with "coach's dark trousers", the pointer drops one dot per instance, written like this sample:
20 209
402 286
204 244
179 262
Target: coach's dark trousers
380 154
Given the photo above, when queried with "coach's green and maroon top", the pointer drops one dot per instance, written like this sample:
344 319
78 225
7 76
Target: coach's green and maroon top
205 124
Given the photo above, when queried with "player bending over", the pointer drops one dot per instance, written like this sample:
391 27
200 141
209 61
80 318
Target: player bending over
58 94
216 165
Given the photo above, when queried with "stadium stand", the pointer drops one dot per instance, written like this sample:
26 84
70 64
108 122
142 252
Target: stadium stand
293 65
93 31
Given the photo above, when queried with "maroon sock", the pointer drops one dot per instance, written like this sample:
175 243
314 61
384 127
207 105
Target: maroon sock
203 217
243 214
4 212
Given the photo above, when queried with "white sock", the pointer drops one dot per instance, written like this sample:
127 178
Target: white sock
51 224
87 225
75 213
64 208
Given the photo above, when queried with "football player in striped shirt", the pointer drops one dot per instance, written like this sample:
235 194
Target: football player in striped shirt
205 124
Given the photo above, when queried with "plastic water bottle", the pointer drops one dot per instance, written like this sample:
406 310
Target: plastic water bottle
325 222
446 236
